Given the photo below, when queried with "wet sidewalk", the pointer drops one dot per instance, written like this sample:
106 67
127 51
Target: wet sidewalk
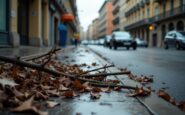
113 103
23 51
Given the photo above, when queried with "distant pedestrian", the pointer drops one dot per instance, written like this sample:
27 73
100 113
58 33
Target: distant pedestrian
76 39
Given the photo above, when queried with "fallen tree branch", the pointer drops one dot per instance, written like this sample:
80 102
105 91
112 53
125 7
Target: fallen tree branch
112 85
104 67
105 74
33 66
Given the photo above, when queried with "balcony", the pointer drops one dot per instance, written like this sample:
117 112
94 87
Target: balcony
115 2
140 23
179 11
115 21
116 9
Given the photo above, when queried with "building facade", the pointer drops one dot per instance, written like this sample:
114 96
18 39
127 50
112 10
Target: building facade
116 14
152 19
33 22
95 28
123 8
105 26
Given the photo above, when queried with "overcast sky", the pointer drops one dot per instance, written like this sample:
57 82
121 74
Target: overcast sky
88 11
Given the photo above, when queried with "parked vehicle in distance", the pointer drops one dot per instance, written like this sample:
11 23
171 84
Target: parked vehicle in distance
122 39
174 38
141 42
101 41
107 41
84 42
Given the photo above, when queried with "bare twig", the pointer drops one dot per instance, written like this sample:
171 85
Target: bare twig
112 85
104 67
105 74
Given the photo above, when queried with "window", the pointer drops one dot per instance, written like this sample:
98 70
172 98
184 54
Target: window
3 15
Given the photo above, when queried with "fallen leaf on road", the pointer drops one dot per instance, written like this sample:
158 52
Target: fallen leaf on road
52 104
95 95
164 95
181 105
69 94
106 90
139 92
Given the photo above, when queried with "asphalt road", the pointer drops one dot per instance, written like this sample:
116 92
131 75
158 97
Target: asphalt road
167 66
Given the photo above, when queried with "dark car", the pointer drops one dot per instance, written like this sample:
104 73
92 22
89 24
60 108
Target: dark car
174 39
122 39
141 43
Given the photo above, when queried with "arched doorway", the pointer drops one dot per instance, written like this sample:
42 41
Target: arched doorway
171 27
180 26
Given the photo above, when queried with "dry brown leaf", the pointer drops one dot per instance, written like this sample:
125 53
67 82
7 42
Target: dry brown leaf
139 92
18 94
53 92
51 104
63 88
117 88
40 95
95 95
69 94
96 89
181 105
164 95
25 106
77 85
106 90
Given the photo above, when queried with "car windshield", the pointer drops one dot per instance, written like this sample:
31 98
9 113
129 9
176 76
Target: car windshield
182 33
123 35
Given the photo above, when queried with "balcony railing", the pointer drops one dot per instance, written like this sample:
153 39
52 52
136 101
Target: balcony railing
116 9
169 14
143 22
116 20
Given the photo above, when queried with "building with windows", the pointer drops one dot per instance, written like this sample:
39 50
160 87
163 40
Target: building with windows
116 14
152 19
105 26
95 28
34 22
123 8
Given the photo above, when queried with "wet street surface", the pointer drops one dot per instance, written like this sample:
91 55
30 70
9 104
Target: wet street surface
166 66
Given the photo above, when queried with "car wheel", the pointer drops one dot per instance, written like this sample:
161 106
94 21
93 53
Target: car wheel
128 47
166 46
134 47
110 47
177 45
115 47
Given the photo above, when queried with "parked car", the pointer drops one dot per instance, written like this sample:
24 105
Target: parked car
101 41
141 43
175 38
107 41
84 42
122 39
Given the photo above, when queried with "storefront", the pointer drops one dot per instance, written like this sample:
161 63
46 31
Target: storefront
4 22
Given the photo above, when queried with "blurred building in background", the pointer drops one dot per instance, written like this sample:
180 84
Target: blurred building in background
116 14
35 22
105 26
95 24
82 33
152 19
90 32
